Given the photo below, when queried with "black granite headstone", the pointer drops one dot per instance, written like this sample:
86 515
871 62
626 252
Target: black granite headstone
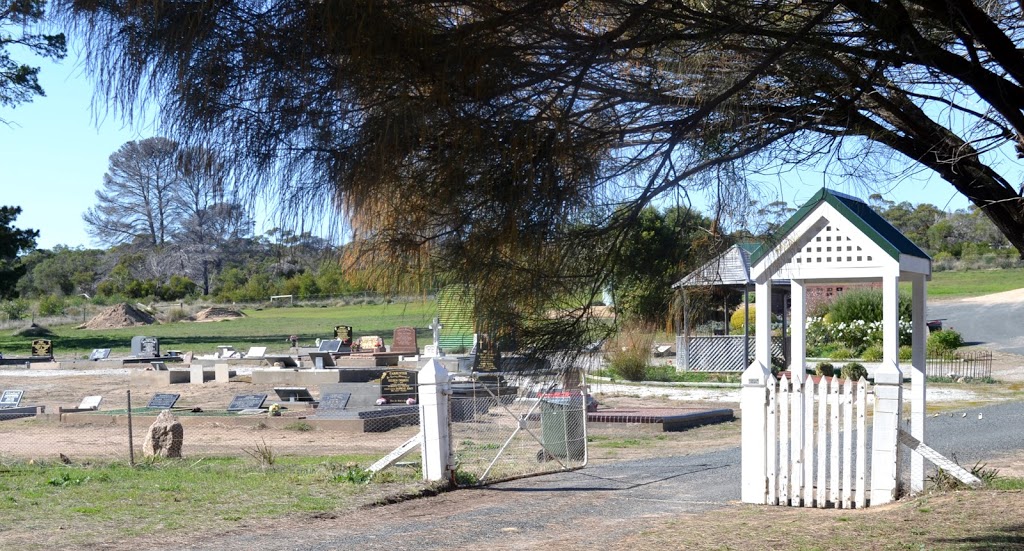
398 385
163 401
247 401
42 348
334 401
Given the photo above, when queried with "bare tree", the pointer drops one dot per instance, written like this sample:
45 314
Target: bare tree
137 201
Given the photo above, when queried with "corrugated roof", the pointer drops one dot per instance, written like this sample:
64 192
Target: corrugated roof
876 228
729 268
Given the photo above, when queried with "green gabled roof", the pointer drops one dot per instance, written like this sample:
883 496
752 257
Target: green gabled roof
856 211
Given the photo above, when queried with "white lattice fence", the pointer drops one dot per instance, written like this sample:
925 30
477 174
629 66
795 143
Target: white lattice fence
720 353
817 448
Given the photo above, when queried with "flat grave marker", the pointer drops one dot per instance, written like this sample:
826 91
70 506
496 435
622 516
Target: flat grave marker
11 398
398 385
293 394
256 352
332 405
330 346
42 347
322 359
90 402
99 354
247 401
163 401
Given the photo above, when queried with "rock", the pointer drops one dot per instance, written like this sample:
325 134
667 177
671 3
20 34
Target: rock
165 436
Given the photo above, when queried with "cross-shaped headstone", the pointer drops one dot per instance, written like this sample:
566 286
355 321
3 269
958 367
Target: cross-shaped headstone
436 327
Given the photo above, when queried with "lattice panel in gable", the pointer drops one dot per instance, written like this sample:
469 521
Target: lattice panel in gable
838 245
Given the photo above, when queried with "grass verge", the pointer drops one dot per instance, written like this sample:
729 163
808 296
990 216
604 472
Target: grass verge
50 506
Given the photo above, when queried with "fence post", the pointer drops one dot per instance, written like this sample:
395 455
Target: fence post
885 433
753 443
434 390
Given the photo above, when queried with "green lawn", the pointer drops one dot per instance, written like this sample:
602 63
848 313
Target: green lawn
974 283
269 327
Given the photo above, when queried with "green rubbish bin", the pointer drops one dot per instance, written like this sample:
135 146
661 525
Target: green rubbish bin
563 429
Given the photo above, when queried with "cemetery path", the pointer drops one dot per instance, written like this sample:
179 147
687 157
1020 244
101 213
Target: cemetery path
600 506
594 506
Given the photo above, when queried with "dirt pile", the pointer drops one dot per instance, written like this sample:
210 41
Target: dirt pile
33 331
119 315
215 313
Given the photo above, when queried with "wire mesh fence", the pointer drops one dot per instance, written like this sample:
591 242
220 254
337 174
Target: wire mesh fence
517 425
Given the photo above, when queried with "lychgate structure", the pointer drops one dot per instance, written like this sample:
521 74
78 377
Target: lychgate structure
833 238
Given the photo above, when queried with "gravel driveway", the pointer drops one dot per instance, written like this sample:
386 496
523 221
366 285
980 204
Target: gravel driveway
590 508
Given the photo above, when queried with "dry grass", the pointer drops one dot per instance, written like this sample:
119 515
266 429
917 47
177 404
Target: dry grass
958 520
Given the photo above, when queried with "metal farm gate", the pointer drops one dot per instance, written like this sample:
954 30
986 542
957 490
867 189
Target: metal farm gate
515 424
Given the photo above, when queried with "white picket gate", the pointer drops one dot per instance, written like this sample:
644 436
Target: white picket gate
816 440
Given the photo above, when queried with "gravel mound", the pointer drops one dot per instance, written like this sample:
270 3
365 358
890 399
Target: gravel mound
119 315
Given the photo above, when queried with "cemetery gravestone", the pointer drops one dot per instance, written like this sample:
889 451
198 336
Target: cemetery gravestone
158 366
137 345
486 355
404 341
332 405
163 401
398 385
293 394
344 334
247 401
90 402
150 347
11 398
330 346
42 348
322 359
99 354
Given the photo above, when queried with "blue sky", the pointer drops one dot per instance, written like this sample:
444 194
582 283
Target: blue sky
54 153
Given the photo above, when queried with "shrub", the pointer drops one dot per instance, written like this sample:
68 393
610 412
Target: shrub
872 353
906 353
52 305
15 309
175 314
841 353
864 305
629 353
736 320
854 371
944 341
825 369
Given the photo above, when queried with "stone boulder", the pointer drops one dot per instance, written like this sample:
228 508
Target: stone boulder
165 436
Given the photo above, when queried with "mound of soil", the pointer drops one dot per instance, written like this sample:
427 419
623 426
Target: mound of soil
119 315
215 313
33 331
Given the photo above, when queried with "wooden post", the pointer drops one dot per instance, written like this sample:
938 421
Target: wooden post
434 390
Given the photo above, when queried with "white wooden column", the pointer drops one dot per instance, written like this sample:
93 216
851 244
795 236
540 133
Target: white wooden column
754 441
888 401
434 390
918 380
763 323
798 331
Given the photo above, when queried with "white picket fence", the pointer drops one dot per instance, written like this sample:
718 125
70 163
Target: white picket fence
816 438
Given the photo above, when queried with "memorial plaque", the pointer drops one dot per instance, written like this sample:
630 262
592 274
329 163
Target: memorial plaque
99 354
322 359
90 402
333 401
344 334
486 355
42 347
11 398
150 347
398 385
163 401
247 401
330 346
404 341
293 394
